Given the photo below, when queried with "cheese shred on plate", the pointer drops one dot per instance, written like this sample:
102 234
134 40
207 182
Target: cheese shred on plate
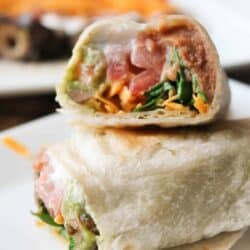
16 146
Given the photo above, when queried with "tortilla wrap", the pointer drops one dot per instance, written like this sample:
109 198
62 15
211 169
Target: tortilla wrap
223 241
176 31
156 189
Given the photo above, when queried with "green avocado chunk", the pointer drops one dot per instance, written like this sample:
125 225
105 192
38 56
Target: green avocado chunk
85 74
73 207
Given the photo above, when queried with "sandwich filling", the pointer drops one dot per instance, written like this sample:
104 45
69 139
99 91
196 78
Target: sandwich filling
61 205
166 69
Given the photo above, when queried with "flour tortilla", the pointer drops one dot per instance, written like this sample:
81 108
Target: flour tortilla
156 189
120 30
223 241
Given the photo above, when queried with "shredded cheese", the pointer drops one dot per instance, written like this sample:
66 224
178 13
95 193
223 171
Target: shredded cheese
39 223
16 146
125 95
175 106
115 88
171 99
59 219
109 105
200 105
126 99
128 107
95 103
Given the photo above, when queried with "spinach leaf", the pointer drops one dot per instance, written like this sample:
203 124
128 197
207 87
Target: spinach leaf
63 233
154 91
44 216
158 89
72 243
184 89
147 106
195 85
175 58
202 95
154 96
167 86
197 90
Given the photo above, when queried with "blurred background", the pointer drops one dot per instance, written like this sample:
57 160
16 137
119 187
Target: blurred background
36 39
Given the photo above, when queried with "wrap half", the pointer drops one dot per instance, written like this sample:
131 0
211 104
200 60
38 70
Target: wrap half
145 190
123 73
223 241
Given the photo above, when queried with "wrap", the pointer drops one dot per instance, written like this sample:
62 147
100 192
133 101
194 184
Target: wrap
148 189
223 241
123 73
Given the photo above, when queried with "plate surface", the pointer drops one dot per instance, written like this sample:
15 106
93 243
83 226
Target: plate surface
18 227
19 78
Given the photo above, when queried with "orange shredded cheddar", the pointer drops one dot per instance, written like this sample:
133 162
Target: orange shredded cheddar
128 107
109 105
39 223
16 146
125 95
200 105
59 219
175 106
57 232
126 99
171 99
115 88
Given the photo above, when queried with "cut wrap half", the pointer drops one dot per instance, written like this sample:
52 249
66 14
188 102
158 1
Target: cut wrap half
162 190
166 72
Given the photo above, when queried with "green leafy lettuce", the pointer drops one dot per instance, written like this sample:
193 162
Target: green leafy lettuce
155 96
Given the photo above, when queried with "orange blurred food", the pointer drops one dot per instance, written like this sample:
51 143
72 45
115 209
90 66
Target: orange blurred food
86 7
16 146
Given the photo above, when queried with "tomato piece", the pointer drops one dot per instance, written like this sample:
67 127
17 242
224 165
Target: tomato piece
118 63
148 53
143 82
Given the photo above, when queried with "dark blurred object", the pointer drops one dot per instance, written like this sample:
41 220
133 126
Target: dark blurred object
17 110
44 36
240 73
25 38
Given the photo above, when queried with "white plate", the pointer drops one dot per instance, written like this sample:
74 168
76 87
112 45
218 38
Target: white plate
18 78
17 226
227 21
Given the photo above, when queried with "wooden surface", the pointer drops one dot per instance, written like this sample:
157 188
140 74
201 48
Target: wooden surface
17 110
